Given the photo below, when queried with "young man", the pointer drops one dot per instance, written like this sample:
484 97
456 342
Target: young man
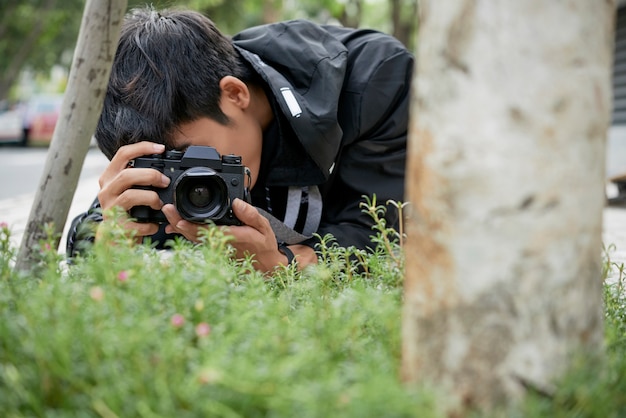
318 114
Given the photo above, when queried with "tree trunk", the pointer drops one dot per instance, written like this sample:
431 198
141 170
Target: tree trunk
506 175
97 42
351 13
403 20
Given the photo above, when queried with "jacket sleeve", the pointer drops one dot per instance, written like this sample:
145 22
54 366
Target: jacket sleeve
82 231
374 113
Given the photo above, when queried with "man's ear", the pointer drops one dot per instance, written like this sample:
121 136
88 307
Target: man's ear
234 91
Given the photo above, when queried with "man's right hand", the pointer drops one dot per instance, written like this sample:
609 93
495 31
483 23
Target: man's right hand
116 184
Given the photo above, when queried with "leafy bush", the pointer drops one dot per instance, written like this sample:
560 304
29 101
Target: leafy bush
131 331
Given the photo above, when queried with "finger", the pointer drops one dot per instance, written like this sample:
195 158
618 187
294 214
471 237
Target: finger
248 214
176 223
142 229
126 179
127 153
172 215
138 197
189 230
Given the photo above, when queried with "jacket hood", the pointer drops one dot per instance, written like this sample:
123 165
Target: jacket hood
304 67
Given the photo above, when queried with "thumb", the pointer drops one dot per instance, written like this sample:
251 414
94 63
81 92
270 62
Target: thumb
247 214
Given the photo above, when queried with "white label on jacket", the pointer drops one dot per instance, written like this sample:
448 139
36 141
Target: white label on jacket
291 101
258 60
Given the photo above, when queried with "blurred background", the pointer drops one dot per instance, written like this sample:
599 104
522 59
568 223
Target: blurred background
37 39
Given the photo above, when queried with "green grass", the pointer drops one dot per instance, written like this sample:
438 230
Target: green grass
133 332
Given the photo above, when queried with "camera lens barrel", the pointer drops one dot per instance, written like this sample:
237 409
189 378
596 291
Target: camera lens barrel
201 194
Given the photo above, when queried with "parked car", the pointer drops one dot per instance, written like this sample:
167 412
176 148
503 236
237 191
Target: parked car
40 116
11 126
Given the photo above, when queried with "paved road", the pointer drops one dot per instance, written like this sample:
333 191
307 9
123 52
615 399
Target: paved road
20 171
614 234
21 168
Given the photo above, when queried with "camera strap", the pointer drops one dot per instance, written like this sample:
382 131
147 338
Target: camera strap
284 234
302 202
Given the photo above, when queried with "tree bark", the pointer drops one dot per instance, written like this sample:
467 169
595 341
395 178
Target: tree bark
506 175
89 75
351 13
403 20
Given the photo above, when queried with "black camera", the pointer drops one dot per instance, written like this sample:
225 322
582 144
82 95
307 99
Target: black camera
202 187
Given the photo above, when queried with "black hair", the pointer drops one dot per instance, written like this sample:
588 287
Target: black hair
166 72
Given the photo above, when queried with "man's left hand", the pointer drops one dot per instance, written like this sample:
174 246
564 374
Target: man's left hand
255 236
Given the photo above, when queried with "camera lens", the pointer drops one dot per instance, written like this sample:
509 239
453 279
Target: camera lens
200 194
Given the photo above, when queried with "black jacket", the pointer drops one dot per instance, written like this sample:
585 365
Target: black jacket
341 100
352 89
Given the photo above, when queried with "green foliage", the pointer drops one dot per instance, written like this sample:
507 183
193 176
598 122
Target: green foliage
7 253
36 34
132 331
615 303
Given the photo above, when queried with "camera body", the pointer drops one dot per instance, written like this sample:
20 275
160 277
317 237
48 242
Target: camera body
202 185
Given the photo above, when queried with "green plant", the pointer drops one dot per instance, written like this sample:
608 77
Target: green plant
7 253
128 330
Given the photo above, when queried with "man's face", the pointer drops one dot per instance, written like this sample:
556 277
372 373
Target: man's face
241 137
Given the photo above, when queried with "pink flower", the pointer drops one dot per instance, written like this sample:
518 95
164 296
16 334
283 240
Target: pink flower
209 376
203 329
4 225
177 320
47 246
122 276
96 293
